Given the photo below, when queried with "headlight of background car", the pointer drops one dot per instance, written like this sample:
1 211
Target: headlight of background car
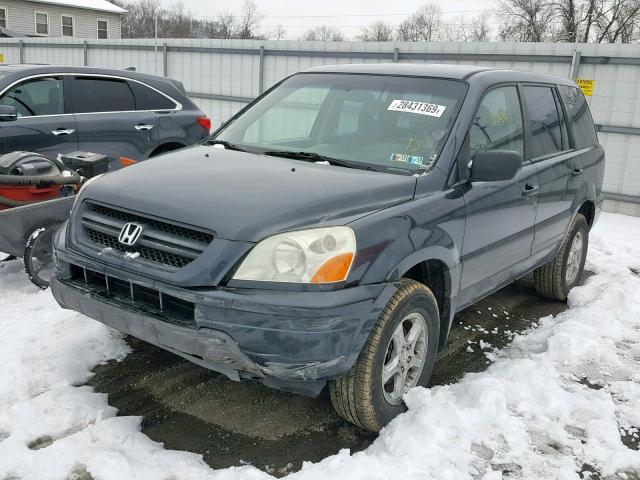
319 255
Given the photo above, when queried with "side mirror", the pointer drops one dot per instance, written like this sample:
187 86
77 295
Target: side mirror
495 165
8 113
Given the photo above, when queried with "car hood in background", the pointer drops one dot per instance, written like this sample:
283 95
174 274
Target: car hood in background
244 196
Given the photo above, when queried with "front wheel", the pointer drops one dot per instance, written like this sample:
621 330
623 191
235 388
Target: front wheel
38 255
398 355
555 279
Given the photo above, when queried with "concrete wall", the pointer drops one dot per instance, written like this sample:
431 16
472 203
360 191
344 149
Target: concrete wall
21 19
223 75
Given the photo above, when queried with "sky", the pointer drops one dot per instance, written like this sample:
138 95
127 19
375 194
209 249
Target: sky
297 16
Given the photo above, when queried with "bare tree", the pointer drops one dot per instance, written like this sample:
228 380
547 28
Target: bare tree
616 20
480 30
457 30
377 31
571 20
407 31
226 25
323 33
250 20
139 22
278 34
178 22
526 20
423 25
428 20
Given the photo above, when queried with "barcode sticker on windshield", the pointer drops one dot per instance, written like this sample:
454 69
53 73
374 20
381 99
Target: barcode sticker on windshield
421 108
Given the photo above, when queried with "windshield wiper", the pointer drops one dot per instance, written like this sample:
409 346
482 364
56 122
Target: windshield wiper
316 157
225 144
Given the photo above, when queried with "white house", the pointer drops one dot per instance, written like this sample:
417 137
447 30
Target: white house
60 18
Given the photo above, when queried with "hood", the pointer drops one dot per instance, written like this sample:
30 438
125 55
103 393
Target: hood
244 196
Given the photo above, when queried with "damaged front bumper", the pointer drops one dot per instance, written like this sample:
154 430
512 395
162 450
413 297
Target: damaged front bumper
293 341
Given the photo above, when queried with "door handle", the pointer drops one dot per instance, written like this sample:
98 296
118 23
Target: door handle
577 171
530 190
143 127
63 131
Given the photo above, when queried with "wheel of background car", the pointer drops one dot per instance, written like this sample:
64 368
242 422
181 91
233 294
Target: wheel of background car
555 279
166 148
399 354
38 255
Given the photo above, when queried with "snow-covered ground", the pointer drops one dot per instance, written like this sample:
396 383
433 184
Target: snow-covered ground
557 402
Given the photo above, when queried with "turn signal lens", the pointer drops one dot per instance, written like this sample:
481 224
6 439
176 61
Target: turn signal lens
204 122
334 270
127 162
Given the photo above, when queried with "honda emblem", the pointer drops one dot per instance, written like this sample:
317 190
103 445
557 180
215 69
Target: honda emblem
130 234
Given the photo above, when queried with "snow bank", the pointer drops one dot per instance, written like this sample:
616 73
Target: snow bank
555 403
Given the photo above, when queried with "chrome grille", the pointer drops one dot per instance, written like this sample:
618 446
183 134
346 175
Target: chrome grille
161 243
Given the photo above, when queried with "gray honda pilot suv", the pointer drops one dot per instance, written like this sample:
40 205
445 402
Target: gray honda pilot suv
328 233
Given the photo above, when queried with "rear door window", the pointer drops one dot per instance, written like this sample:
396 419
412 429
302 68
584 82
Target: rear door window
497 124
39 96
544 121
582 127
148 99
98 94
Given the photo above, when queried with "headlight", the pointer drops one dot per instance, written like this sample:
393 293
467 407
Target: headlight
319 255
84 185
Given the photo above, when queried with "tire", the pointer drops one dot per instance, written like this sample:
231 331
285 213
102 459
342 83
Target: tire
555 279
360 396
38 255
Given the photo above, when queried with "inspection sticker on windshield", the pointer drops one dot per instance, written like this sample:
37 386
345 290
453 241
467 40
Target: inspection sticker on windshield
422 108
404 158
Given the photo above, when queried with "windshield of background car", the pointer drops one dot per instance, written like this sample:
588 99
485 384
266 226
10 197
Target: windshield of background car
392 123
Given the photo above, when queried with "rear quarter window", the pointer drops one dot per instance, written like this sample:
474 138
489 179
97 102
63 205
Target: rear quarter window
580 120
148 99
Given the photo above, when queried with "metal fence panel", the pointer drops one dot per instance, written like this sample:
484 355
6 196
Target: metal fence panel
223 75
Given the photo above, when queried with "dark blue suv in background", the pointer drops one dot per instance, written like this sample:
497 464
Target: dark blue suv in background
329 232
57 109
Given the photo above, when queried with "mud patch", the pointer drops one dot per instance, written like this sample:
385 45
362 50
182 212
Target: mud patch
80 473
589 472
41 442
631 437
187 407
593 385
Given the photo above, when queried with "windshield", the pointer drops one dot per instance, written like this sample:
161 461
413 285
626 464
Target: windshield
390 123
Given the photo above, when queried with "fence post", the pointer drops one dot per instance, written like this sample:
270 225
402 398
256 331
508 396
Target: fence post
165 60
575 65
85 53
261 71
21 51
396 54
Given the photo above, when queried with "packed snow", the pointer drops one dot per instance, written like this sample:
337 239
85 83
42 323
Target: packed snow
557 403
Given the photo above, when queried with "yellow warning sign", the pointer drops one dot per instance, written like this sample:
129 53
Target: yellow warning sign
586 86
1 57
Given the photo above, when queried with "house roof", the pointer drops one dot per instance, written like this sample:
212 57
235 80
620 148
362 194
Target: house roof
99 5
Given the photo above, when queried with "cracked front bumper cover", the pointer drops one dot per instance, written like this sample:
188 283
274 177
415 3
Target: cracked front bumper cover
207 347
